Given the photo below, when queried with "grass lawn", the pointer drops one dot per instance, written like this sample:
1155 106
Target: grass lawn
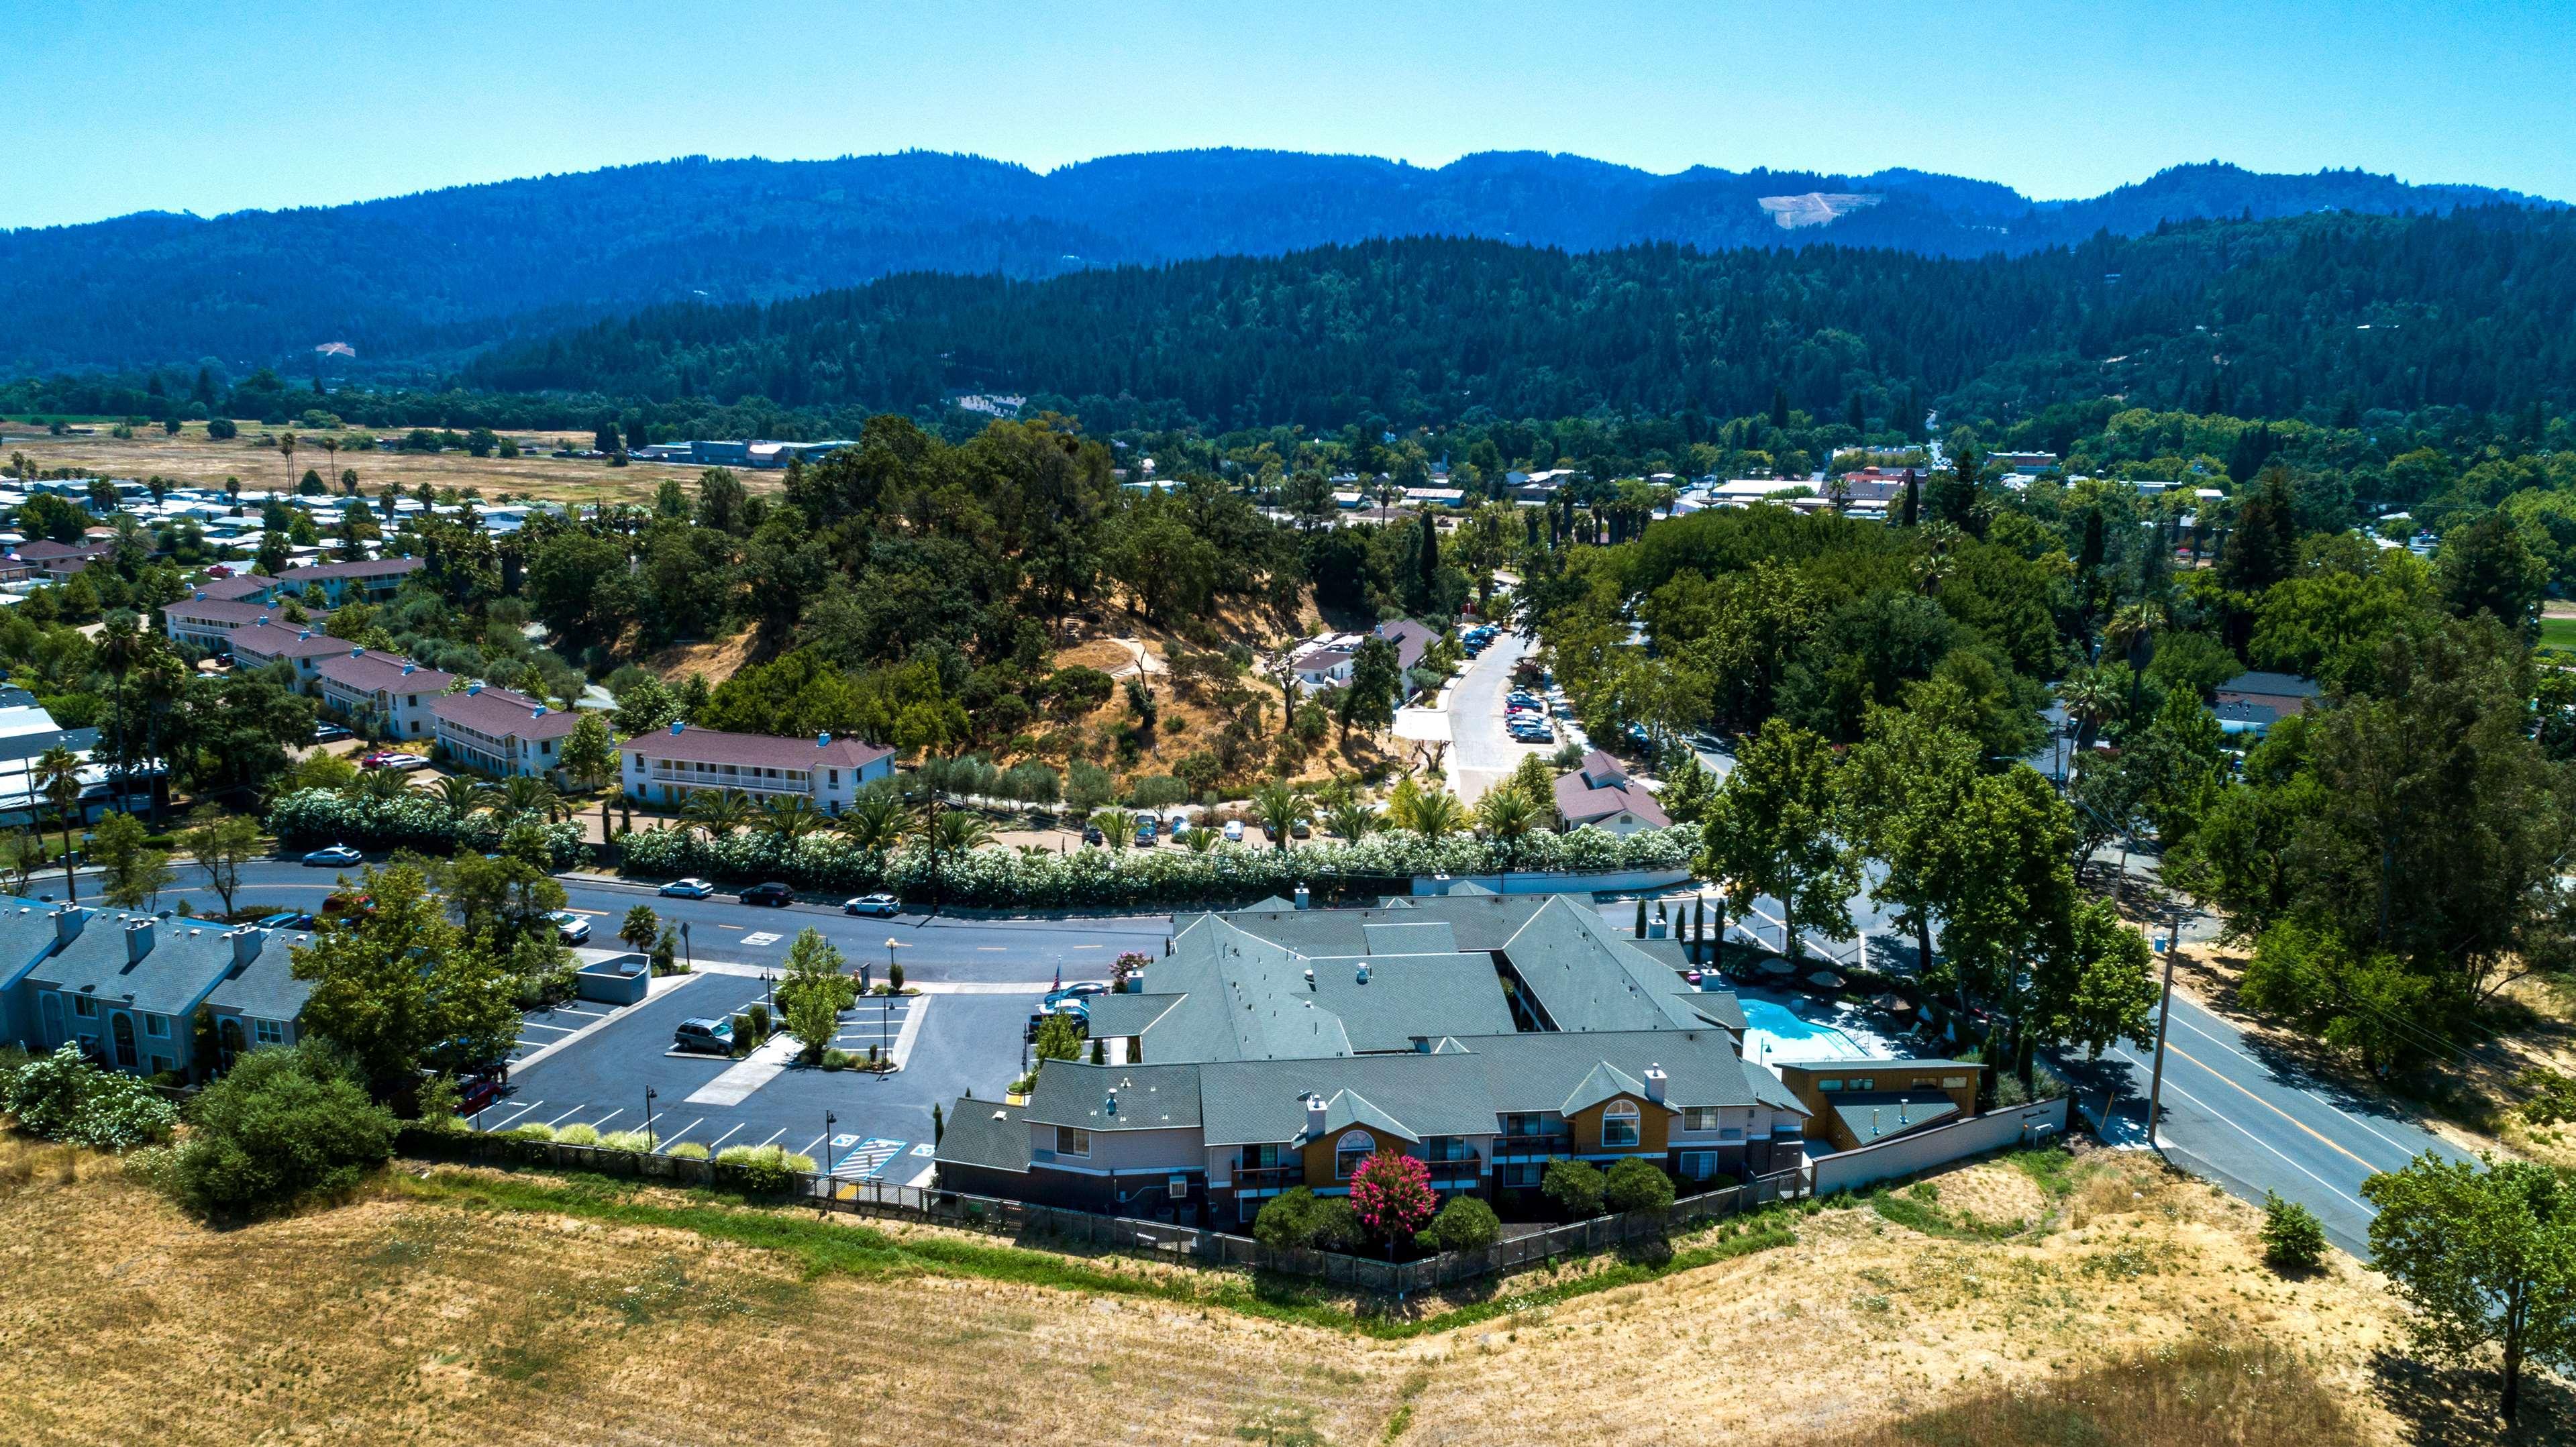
2558 633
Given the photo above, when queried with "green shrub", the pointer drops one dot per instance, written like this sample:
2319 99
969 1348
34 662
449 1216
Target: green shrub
799 1162
623 1140
62 1097
537 1132
1464 1224
284 1123
1300 1218
761 1170
688 1151
2293 1238
1574 1187
1637 1185
577 1135
841 1059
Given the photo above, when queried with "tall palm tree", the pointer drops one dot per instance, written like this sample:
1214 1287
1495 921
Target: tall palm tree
719 812
1281 810
1352 820
58 778
460 796
945 834
1436 814
330 454
2131 628
1117 827
286 450
521 796
874 824
792 818
2090 701
1506 817
382 785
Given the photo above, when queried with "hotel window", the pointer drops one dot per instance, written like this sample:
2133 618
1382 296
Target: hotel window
1619 1123
1700 1117
1954 1082
1829 1085
269 1032
157 1026
1698 1165
1353 1148
1522 1174
1072 1142
1260 1158
85 1005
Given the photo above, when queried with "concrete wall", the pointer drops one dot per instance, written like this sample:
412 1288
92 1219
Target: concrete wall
1625 881
1907 1155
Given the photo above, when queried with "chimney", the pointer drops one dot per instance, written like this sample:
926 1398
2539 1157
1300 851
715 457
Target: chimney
1314 1117
247 942
1655 1084
1301 896
678 724
67 924
138 940
1109 1106
1310 977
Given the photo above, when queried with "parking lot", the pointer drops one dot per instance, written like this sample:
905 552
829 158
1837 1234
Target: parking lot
590 1064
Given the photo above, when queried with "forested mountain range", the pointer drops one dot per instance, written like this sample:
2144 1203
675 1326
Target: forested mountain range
2314 314
417 283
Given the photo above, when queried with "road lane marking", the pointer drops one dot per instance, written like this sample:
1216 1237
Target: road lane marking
2220 1115
2222 1044
760 937
2321 1136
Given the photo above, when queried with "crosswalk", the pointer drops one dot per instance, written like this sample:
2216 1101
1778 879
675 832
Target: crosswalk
864 1158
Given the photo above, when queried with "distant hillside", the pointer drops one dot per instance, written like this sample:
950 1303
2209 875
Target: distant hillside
417 283
2258 318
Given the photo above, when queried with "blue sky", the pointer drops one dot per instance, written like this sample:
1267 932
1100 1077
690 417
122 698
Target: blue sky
121 105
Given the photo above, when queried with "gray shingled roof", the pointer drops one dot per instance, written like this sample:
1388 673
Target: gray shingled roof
1586 978
1476 922
169 980
266 987
1149 1097
26 932
1348 1108
981 1133
1116 1015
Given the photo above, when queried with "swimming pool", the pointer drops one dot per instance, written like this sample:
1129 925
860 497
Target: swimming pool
1774 1032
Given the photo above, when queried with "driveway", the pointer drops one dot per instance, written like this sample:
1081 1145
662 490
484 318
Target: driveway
1481 753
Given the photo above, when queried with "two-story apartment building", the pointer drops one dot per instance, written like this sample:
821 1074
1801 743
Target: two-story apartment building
500 732
126 988
388 691
1487 1036
1598 794
207 622
301 648
369 580
665 768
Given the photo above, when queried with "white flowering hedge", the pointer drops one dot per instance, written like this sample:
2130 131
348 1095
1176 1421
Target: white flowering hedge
414 821
1005 878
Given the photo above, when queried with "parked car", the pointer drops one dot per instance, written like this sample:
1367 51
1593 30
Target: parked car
1180 826
1233 831
403 763
570 928
334 856
1301 830
882 906
1145 832
1078 990
1091 835
479 1095
285 919
690 888
347 902
705 1034
329 733
769 892
1073 1010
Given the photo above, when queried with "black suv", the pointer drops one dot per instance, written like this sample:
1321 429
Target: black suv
773 893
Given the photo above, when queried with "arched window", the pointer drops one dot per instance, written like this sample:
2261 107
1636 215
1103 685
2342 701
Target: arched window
1619 1123
1354 1147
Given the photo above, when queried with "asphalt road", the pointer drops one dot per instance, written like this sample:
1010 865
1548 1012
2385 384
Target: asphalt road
2234 1111
1481 754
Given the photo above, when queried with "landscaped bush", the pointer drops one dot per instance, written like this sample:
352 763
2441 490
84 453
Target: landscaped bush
1299 1218
1637 1185
2293 1238
761 1170
624 1140
62 1097
540 1131
577 1135
688 1151
281 1124
413 821
1574 1187
1464 1224
1005 878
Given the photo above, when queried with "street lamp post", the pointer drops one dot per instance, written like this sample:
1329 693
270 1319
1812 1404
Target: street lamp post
829 1120
685 952
648 1120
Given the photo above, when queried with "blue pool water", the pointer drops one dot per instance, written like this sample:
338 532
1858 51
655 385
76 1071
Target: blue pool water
1769 1023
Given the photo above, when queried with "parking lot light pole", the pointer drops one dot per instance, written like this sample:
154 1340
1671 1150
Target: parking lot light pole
648 1120
685 952
829 1120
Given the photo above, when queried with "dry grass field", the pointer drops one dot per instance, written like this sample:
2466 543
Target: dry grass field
195 459
467 1307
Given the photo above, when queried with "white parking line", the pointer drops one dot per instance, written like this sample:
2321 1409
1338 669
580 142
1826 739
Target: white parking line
561 1029
671 1138
514 1115
809 1147
774 1135
576 1110
605 1119
719 1140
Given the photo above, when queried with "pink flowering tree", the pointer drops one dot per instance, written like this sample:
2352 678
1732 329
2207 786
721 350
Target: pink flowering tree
1391 1194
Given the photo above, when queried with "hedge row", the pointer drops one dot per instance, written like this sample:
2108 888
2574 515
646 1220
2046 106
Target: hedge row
1007 878
414 821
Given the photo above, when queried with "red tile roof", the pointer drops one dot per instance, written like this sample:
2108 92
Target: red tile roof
768 751
277 640
504 714
374 672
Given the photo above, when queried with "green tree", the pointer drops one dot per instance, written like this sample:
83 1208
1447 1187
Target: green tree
1635 1184
640 928
1059 1038
812 993
2487 567
402 982
132 872
589 755
1280 809
281 1124
58 779
2293 1238
2486 1257
221 844
1775 829
1575 1188
1368 701
1464 1223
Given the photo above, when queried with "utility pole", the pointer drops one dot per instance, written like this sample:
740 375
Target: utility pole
2164 1025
